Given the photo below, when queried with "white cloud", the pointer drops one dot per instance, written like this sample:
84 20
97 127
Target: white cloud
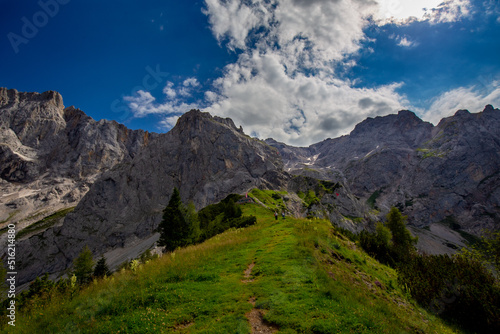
472 98
193 82
234 19
449 11
283 84
168 122
404 41
331 28
434 11
258 93
169 91
143 103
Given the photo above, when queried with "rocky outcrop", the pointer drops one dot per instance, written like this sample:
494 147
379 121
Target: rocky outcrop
206 157
50 155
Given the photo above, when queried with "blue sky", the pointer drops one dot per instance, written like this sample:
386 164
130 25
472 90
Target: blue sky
299 71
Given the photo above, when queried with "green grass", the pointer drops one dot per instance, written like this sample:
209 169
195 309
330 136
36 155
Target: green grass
428 153
6 228
45 223
272 199
373 198
307 278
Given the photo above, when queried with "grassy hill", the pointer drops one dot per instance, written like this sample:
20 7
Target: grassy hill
290 275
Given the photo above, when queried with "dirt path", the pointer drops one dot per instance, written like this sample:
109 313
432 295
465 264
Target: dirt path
248 273
255 316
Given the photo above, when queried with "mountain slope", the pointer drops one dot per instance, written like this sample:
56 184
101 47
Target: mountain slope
298 275
50 155
449 172
205 157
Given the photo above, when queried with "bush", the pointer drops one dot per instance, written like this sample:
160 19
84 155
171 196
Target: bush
182 225
243 221
377 247
458 288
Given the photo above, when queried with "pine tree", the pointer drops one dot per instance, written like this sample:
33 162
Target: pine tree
83 266
174 228
402 241
101 268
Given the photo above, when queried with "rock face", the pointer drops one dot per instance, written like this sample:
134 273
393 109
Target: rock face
445 173
50 155
206 157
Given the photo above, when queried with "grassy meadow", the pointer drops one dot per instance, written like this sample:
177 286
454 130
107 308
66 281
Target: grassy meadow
306 278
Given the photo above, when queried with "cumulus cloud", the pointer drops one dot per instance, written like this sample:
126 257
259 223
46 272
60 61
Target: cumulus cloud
405 42
472 98
175 104
403 12
258 93
284 84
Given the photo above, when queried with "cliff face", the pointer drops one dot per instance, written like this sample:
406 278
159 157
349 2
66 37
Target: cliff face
50 155
206 157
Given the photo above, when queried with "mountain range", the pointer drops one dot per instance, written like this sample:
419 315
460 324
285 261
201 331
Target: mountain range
445 178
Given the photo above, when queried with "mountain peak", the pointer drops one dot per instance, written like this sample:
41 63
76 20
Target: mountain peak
12 96
407 113
197 120
404 121
462 113
489 108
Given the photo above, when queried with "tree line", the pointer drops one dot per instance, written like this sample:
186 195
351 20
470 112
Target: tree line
182 225
463 289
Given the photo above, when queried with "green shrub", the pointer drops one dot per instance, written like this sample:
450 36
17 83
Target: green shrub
243 221
459 289
376 247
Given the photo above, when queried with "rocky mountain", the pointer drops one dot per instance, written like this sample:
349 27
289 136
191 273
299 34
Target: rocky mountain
50 155
447 173
206 157
444 177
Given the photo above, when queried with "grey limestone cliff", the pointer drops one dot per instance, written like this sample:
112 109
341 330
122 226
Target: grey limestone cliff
206 157
50 155
448 173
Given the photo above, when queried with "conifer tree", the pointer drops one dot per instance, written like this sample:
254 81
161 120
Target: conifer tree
83 266
402 241
174 228
101 268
